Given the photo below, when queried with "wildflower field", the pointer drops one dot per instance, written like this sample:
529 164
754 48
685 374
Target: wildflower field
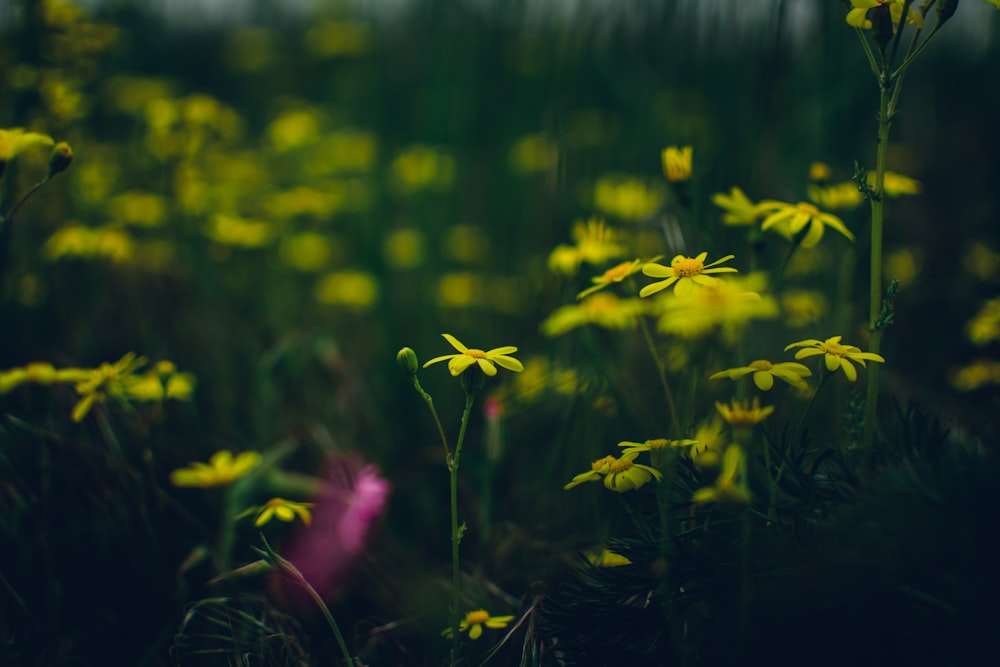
517 333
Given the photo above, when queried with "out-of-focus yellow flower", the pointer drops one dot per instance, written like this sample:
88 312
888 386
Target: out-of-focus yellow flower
487 361
606 558
339 38
764 373
292 129
655 445
461 289
343 152
465 243
422 167
976 375
249 49
533 153
790 219
743 414
14 140
307 251
897 185
222 469
595 243
404 248
835 354
474 622
984 327
995 3
627 197
603 310
858 15
903 265
283 510
981 261
615 274
77 241
725 306
142 209
710 443
107 380
730 486
231 230
803 307
739 210
819 172
355 289
677 163
686 272
840 196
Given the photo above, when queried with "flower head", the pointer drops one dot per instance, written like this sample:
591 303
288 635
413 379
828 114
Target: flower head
724 306
14 140
743 414
595 243
686 272
710 443
605 310
606 558
764 373
677 163
858 15
615 274
790 219
739 210
486 360
283 510
222 469
654 445
835 354
730 486
474 622
620 474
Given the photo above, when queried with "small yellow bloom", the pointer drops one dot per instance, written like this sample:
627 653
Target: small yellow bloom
819 172
604 310
790 219
626 475
14 140
605 558
598 469
221 469
803 307
839 196
615 274
743 414
627 197
487 361
686 272
739 210
835 354
595 243
764 373
730 487
896 185
654 445
711 443
725 306
475 620
677 163
283 510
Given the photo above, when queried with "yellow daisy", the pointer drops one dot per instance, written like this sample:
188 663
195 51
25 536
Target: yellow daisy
686 272
474 622
790 219
764 373
486 360
835 354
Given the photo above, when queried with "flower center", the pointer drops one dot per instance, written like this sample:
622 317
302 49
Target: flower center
657 443
836 349
619 465
761 365
685 267
616 274
600 304
808 209
475 354
477 617
600 463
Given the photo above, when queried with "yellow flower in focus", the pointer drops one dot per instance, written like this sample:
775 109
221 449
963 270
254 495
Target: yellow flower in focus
743 414
686 272
14 140
764 373
486 360
739 210
730 487
604 310
835 354
790 219
474 622
221 469
677 163
858 15
283 510
725 306
615 274
623 474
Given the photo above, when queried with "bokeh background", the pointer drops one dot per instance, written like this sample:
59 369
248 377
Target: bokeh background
278 196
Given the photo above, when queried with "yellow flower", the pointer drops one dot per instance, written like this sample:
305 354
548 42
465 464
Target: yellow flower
995 3
596 243
284 510
739 209
858 16
897 184
819 172
764 373
842 196
220 470
803 307
627 197
104 381
790 219
14 140
475 620
726 306
677 163
598 469
711 443
605 558
615 274
685 272
729 485
654 445
626 475
487 361
604 310
743 414
836 354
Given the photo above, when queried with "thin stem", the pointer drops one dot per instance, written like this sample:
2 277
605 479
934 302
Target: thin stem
437 420
812 399
20 202
868 51
674 423
456 531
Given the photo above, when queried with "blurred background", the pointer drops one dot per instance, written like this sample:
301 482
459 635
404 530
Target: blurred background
277 196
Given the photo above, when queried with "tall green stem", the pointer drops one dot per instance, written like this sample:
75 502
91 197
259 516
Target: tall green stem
674 424
456 530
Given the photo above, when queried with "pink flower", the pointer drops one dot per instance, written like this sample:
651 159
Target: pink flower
350 503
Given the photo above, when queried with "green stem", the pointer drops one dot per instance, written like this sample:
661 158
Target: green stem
437 420
456 531
20 202
812 399
674 423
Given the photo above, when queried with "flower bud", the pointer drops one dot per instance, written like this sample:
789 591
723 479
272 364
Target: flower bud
945 10
407 360
882 25
60 158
